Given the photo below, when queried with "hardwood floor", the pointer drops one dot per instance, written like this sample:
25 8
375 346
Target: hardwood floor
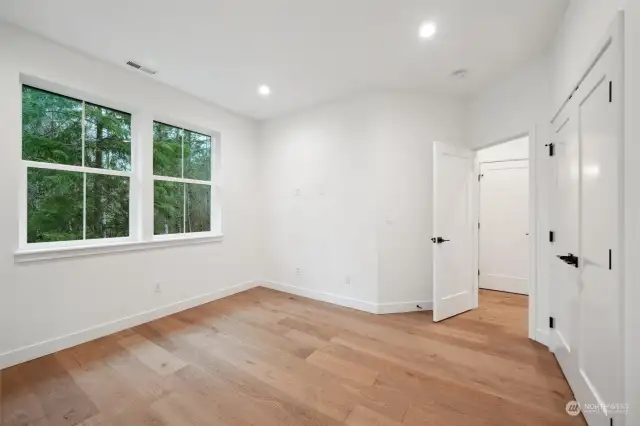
268 358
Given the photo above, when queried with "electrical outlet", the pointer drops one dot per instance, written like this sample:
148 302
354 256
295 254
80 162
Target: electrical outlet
347 279
298 271
158 288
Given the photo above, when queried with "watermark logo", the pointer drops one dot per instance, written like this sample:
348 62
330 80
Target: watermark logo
573 408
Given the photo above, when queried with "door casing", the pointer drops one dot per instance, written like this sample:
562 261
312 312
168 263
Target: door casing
533 229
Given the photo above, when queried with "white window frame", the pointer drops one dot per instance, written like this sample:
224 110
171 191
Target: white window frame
141 187
215 218
29 164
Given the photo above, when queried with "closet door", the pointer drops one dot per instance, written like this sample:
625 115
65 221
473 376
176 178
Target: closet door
586 296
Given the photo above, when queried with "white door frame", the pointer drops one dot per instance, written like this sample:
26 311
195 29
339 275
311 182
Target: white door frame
533 229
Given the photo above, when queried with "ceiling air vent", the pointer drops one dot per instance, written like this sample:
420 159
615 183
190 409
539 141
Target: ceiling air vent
461 73
141 68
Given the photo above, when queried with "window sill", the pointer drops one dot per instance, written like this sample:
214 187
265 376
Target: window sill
52 253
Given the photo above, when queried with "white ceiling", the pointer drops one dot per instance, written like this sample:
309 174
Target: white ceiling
308 51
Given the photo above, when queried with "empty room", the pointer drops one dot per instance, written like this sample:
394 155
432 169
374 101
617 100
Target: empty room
305 212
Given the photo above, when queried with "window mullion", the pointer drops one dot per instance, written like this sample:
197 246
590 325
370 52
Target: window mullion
184 191
84 206
84 175
83 126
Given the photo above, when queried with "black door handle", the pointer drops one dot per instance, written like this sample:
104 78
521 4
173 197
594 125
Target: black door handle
439 240
569 259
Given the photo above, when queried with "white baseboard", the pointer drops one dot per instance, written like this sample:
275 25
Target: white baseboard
402 307
361 305
322 296
542 336
47 347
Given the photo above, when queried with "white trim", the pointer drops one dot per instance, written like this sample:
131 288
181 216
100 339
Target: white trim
50 346
534 301
542 336
348 302
47 347
185 125
83 128
77 169
533 332
182 180
78 95
96 247
84 208
403 307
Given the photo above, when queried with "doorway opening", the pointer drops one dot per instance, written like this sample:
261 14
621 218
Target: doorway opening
497 184
504 239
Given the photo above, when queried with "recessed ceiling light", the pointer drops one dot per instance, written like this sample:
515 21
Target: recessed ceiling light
427 30
264 90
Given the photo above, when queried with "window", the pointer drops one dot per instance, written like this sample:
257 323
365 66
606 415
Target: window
87 188
182 180
77 158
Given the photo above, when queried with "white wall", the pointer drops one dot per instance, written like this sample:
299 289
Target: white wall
583 28
328 230
405 125
517 149
512 106
49 300
363 166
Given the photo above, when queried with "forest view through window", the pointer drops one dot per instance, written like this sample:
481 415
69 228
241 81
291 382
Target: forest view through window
182 180
78 166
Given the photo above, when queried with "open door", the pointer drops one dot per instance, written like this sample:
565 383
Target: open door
454 186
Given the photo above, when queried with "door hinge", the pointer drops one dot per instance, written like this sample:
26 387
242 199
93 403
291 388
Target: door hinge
552 322
478 225
478 272
552 237
552 149
610 91
610 260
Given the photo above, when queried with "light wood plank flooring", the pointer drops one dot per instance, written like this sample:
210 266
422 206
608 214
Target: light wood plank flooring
268 358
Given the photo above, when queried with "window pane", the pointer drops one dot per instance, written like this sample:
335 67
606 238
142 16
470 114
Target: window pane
107 206
169 207
107 138
51 127
54 205
197 156
198 208
167 150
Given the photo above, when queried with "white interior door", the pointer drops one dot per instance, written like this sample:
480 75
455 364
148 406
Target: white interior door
454 181
504 226
586 298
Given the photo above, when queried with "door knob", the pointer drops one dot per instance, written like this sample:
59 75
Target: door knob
439 240
569 259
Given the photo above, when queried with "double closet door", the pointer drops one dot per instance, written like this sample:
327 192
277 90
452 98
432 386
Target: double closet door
586 210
